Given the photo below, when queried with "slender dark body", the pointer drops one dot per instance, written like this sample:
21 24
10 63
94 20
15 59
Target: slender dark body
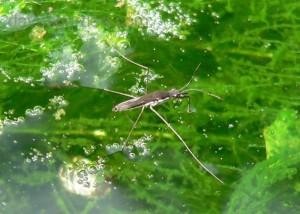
151 99
155 98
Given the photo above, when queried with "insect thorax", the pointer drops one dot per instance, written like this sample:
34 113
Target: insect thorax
175 93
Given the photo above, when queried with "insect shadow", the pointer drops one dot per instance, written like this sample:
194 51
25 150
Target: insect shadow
153 99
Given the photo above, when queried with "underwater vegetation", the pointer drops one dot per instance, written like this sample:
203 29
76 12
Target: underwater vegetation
60 140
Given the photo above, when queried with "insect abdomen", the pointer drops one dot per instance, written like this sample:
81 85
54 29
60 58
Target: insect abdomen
151 99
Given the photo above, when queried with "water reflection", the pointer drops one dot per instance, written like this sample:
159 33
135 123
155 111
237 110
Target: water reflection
83 178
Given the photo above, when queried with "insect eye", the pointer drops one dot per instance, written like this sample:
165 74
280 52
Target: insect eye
115 109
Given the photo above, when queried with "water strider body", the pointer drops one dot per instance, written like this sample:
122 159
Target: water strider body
155 98
151 99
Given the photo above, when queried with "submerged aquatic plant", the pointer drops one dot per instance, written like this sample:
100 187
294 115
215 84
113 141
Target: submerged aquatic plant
54 55
272 186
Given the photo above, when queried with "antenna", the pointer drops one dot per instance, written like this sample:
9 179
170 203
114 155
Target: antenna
191 77
199 90
205 92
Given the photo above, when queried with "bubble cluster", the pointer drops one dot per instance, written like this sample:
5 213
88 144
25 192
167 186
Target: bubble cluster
137 88
36 155
80 177
89 149
27 80
111 149
113 62
58 102
139 147
36 111
76 179
100 164
88 29
150 76
143 78
12 122
65 68
122 34
150 16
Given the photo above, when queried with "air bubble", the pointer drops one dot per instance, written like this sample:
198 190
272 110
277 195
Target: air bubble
115 145
82 173
150 176
143 145
100 167
92 170
34 158
230 126
146 152
49 155
132 156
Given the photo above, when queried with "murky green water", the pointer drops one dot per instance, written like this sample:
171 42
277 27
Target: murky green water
58 131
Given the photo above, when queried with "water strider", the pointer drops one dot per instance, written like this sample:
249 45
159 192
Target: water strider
155 98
